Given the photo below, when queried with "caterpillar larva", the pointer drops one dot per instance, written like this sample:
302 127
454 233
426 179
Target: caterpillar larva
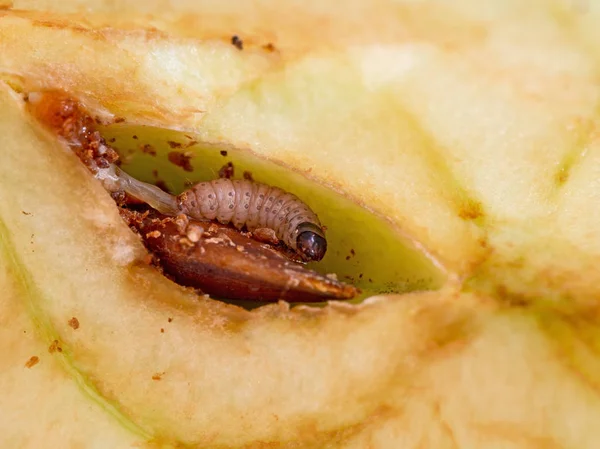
254 205
239 202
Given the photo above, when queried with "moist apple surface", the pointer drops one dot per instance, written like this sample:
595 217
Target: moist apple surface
472 126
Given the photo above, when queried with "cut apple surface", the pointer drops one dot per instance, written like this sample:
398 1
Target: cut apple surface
479 145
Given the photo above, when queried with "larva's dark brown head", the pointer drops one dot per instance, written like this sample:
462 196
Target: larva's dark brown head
311 243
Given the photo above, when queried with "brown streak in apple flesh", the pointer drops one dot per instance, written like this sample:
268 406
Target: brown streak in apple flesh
224 263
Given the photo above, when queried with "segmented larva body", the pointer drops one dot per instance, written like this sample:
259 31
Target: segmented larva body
254 205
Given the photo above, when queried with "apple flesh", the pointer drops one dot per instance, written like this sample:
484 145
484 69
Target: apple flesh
123 307
480 145
120 302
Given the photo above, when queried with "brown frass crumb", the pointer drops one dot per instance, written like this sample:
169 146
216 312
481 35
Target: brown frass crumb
33 360
54 347
148 149
174 144
182 160
237 42
74 323
227 171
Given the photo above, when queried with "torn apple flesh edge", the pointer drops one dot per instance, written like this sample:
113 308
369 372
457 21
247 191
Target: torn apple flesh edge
223 261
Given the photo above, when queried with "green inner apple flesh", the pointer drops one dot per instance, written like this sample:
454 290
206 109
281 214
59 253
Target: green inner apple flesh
363 249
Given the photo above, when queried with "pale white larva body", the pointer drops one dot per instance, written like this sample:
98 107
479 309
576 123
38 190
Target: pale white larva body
254 205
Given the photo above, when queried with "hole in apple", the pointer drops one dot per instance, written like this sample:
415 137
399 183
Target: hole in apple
364 249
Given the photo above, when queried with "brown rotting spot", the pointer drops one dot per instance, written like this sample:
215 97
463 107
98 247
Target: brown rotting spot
174 144
223 153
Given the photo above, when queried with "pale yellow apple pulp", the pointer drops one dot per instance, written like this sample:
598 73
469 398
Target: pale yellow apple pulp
472 126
